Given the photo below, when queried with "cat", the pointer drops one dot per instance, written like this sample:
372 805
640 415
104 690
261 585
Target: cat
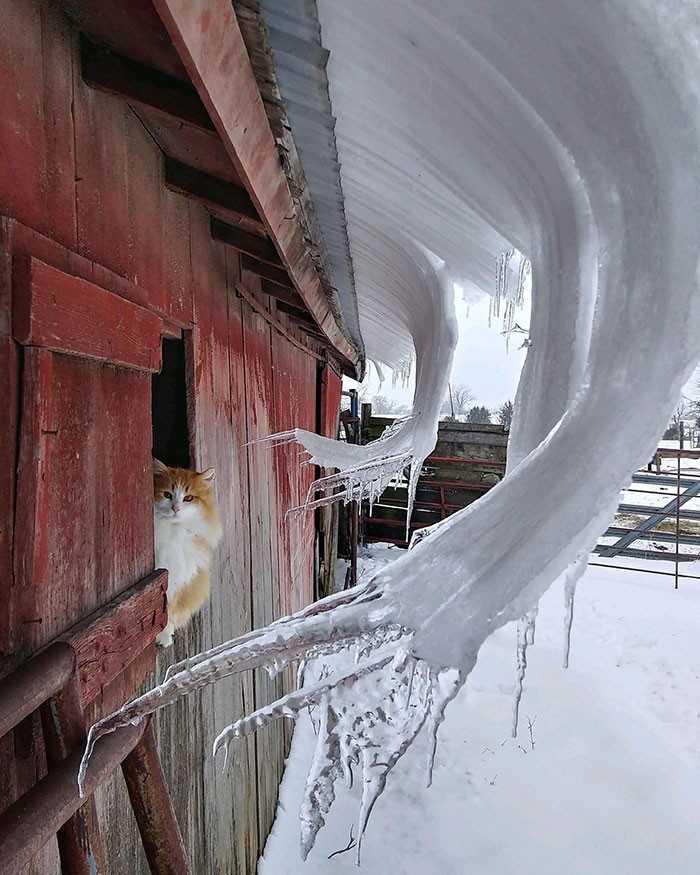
187 529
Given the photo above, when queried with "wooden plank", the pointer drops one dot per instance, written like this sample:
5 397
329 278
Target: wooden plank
9 391
111 638
22 169
190 145
263 539
57 48
220 831
32 527
110 72
17 239
302 388
84 491
276 323
258 248
144 193
102 166
211 191
210 44
330 389
175 242
67 314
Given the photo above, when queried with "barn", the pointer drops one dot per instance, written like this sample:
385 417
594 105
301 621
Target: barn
164 289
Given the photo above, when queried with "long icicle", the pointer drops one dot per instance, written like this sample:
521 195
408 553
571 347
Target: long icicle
526 637
569 598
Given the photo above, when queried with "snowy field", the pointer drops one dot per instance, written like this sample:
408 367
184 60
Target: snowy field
606 781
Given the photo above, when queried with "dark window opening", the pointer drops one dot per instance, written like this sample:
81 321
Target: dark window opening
171 442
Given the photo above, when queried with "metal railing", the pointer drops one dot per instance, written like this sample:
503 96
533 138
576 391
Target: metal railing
686 487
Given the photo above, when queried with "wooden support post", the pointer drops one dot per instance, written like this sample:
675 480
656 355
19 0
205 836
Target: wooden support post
148 792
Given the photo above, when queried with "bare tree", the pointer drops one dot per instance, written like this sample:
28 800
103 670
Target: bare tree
685 410
458 400
384 406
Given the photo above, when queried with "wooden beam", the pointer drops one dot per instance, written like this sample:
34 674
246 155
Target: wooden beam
286 296
108 71
209 42
56 311
211 190
276 275
109 640
250 244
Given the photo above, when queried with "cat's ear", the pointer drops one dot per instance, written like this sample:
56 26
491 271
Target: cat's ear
159 467
208 475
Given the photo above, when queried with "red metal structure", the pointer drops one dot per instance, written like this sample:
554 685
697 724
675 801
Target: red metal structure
143 202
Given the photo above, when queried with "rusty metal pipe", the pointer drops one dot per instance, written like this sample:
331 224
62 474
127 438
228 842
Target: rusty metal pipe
150 800
29 686
36 817
79 841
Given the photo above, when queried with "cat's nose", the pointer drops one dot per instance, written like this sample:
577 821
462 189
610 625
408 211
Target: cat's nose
177 508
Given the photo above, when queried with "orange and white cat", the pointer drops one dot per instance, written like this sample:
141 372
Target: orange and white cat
187 528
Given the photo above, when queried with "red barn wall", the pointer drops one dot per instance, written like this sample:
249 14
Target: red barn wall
81 189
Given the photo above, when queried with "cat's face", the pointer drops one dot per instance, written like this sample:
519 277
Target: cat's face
182 496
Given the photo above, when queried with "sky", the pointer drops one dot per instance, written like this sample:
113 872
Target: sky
481 361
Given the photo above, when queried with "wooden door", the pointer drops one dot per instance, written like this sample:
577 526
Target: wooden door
83 519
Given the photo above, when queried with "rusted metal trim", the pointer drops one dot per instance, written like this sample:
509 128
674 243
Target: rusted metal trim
150 800
30 685
36 817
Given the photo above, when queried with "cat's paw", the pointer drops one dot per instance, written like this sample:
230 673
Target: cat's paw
165 638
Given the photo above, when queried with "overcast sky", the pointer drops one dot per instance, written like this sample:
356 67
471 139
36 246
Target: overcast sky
481 360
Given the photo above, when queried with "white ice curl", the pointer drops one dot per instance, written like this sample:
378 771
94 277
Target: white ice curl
587 159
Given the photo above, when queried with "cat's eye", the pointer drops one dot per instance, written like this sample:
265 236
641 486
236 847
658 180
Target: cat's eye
188 498
167 495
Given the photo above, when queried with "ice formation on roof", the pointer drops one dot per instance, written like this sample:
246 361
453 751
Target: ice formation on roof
570 132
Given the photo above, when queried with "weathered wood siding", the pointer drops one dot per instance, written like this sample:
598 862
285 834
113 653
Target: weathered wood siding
81 190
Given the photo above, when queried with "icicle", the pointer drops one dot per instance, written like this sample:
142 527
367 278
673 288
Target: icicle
569 597
320 783
525 637
372 788
291 704
446 688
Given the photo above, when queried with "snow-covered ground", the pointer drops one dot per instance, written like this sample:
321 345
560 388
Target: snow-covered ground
607 782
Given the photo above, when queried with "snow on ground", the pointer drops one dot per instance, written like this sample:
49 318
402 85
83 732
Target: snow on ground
607 784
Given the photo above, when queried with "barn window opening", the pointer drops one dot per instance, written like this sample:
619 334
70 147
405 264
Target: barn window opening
171 442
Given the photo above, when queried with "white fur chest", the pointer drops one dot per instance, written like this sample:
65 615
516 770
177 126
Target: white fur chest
180 551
